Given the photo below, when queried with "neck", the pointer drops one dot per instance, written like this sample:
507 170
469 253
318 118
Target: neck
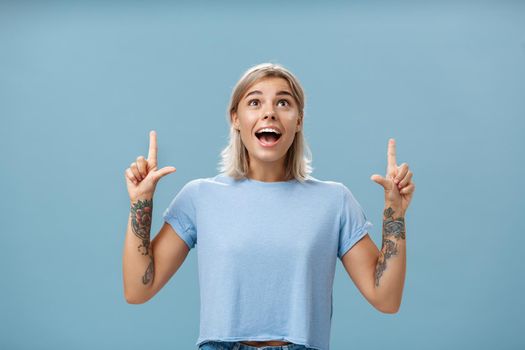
267 172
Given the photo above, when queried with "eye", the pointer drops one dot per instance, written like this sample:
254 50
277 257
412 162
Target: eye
250 102
286 101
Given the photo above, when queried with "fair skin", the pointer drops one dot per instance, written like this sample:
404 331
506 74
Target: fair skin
268 102
147 266
378 274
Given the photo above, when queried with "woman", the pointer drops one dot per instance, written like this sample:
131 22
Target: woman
269 233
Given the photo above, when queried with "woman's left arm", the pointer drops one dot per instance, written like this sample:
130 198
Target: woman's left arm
380 275
391 263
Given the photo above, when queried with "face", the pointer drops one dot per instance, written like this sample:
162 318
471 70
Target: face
267 103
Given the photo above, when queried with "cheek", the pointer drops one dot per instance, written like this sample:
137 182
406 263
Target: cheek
246 135
244 116
247 124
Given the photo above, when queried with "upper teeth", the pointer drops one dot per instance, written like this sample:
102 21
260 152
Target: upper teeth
269 130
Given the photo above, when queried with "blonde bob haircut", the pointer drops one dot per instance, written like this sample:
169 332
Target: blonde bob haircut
235 158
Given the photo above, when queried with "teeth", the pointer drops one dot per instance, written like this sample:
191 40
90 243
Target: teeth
269 130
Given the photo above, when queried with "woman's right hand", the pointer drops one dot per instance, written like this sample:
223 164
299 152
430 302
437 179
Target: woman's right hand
142 176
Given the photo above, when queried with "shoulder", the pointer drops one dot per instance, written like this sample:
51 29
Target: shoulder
335 186
197 185
189 190
192 185
339 192
334 191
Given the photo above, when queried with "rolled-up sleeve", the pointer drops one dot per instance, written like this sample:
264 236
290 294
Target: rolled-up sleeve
354 223
181 213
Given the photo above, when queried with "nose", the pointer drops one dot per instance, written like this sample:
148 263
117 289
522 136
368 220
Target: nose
269 114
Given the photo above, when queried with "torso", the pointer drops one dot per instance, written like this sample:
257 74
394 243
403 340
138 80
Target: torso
265 343
288 254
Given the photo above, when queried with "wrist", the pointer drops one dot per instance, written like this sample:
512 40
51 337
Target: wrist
393 222
143 198
394 210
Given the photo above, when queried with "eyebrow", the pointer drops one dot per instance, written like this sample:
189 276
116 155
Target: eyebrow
283 92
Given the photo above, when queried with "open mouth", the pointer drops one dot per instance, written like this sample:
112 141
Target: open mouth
268 138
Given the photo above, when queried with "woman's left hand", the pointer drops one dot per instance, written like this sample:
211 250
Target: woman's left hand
397 183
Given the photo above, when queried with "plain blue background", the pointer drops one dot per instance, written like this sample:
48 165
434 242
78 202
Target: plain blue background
82 84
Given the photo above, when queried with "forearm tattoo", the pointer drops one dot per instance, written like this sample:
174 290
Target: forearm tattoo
141 226
393 230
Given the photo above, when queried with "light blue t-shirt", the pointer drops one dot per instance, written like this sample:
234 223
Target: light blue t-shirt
266 254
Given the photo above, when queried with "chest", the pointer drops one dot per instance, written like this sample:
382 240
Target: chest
268 226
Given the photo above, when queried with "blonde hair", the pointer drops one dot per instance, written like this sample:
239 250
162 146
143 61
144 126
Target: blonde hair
234 157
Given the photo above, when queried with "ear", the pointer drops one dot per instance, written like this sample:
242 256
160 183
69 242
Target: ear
235 120
299 123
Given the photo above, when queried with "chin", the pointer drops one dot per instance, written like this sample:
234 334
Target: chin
265 158
265 155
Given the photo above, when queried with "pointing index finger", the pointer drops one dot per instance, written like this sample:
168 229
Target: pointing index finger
152 154
391 155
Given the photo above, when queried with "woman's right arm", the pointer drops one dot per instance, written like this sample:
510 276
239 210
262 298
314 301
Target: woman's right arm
148 265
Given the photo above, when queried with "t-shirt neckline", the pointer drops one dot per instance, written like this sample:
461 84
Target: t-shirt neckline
270 183
265 183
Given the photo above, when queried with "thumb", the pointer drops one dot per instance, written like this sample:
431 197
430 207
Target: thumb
165 171
380 180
